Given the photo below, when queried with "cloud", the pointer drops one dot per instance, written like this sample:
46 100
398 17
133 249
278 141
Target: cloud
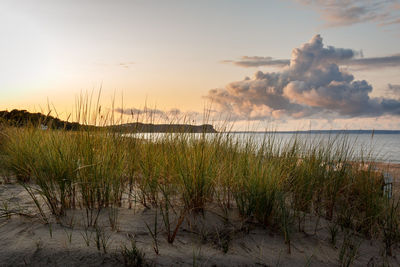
126 65
394 87
374 62
343 57
395 21
144 111
312 85
155 115
348 12
255 61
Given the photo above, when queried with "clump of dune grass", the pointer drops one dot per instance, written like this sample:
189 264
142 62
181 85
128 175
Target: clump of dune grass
390 225
19 148
132 255
149 162
195 163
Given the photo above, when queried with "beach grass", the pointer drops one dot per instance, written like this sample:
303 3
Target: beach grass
271 183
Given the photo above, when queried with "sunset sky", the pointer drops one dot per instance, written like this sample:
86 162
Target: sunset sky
290 63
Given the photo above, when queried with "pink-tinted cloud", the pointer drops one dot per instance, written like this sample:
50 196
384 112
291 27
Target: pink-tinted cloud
348 12
312 85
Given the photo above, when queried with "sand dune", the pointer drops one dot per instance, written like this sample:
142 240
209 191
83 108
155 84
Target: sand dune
26 240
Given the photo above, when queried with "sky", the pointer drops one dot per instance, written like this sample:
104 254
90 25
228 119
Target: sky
292 64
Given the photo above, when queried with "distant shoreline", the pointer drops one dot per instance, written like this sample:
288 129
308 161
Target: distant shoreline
323 132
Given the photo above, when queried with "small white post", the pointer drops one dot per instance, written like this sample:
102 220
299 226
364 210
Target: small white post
388 185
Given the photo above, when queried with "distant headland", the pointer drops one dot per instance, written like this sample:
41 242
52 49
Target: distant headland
19 118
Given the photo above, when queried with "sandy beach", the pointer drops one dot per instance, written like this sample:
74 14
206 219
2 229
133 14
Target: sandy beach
26 240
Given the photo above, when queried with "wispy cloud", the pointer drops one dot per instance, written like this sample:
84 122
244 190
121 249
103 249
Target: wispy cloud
153 114
126 65
348 12
374 62
348 57
255 61
144 111
312 85
394 89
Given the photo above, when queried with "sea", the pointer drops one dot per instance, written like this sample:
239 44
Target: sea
379 146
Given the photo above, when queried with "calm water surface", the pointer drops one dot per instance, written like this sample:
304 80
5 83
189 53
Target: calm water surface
379 147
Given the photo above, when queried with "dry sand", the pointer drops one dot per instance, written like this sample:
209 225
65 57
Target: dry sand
26 240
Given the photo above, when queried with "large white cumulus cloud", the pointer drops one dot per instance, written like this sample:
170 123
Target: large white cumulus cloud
312 85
